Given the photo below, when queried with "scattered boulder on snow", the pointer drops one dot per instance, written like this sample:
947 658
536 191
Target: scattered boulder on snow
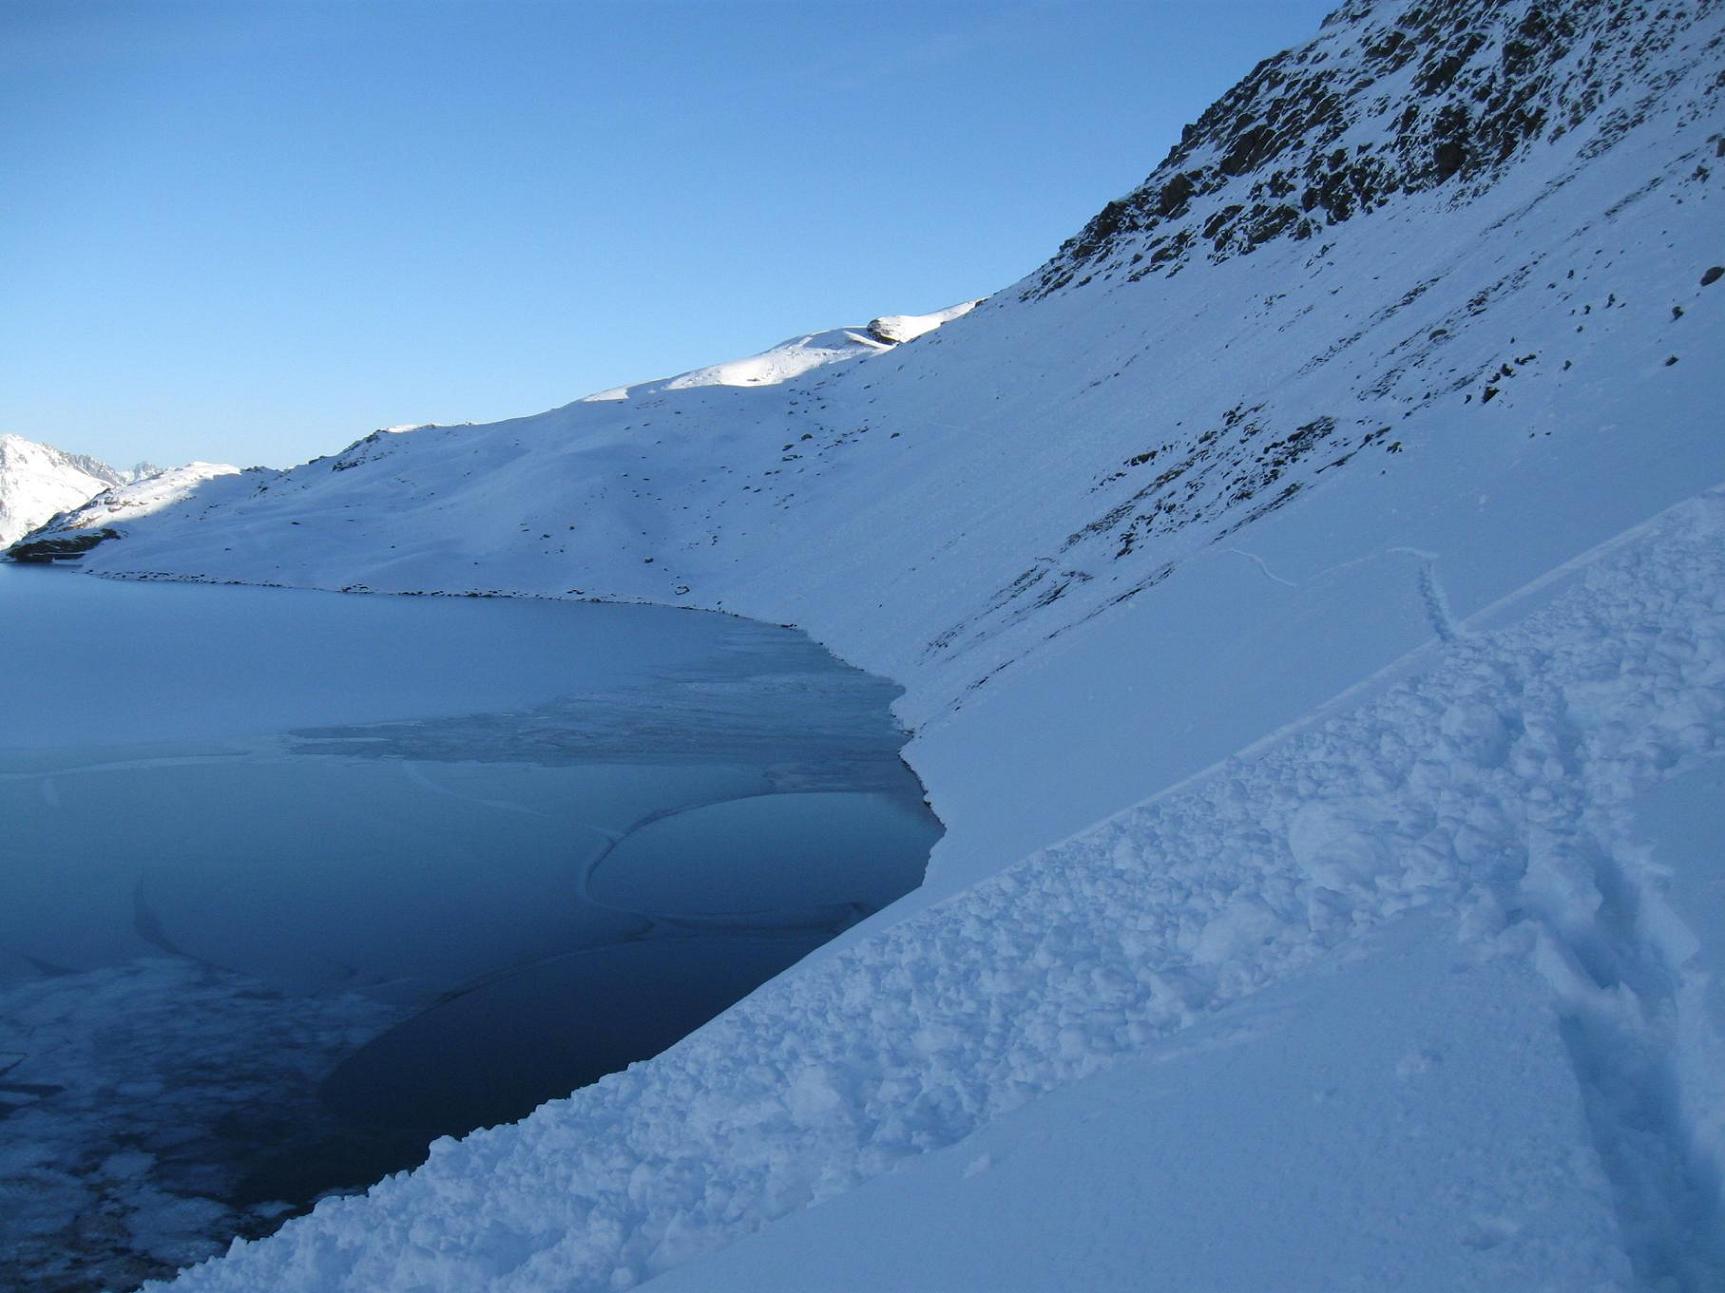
897 328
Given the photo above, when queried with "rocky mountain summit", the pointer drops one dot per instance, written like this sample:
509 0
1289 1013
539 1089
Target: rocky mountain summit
1392 99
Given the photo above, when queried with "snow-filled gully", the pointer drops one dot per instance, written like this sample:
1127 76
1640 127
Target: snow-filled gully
1495 782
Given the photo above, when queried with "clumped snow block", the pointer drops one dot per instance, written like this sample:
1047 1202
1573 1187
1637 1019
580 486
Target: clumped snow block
896 328
797 356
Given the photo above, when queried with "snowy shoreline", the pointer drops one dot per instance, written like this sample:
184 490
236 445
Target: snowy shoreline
958 1016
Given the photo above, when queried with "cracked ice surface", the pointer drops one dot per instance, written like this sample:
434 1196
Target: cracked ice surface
134 1097
273 840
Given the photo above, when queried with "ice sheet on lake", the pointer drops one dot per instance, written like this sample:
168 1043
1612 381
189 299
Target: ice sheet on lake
135 1097
293 830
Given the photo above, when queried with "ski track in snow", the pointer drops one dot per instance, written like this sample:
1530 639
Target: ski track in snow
1497 783
1263 567
416 774
1432 595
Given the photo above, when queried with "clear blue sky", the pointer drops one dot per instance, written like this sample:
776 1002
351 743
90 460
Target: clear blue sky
252 232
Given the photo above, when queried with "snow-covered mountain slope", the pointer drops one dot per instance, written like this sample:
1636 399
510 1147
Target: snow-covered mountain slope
37 481
70 534
1320 536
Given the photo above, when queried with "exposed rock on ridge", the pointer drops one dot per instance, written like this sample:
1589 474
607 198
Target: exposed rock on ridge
1398 96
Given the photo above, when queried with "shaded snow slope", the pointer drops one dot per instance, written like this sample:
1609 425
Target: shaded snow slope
1265 493
1402 1042
37 481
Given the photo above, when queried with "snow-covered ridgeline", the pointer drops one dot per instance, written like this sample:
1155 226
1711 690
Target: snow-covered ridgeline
798 355
132 500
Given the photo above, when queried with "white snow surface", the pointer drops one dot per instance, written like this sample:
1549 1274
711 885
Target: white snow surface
1401 1042
37 481
184 487
908 327
794 357
1272 623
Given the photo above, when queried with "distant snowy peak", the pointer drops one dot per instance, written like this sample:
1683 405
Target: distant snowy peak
798 355
1392 97
38 480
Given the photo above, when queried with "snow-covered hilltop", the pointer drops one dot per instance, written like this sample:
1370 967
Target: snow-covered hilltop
1306 582
799 355
37 481
182 495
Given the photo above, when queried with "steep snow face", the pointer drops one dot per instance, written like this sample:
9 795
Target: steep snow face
37 481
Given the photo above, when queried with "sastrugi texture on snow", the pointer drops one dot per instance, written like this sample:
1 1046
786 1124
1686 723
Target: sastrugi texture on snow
1311 568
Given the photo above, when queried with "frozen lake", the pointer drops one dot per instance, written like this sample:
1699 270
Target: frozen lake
293 882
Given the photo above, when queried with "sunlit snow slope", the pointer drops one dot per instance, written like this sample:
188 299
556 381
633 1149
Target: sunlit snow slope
37 481
1365 448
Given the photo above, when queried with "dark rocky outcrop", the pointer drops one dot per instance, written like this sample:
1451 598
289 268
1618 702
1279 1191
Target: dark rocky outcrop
68 549
1391 98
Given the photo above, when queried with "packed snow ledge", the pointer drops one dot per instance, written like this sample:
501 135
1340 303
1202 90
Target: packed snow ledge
1543 1108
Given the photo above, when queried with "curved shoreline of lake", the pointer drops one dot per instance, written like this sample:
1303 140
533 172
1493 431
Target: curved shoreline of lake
294 882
